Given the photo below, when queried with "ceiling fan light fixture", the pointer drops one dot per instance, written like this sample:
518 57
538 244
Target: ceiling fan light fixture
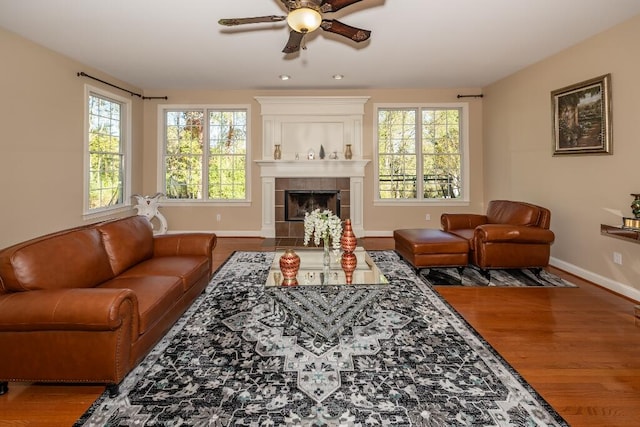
304 20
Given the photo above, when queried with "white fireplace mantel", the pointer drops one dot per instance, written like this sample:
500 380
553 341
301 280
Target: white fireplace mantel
299 124
312 168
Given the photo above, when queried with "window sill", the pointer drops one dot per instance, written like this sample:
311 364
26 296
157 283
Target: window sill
106 213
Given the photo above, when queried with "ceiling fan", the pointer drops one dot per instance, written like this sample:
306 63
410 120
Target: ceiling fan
305 16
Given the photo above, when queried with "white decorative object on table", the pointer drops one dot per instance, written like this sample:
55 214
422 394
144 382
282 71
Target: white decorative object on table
148 206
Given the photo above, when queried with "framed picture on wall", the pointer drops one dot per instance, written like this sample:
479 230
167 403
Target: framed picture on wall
582 117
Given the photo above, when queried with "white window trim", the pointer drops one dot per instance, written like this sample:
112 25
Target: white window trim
160 177
126 134
464 153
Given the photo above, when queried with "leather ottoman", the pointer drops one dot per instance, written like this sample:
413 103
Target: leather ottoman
425 247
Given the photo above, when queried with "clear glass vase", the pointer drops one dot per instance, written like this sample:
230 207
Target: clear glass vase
326 256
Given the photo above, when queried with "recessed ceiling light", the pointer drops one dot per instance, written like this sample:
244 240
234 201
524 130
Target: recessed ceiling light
338 77
284 77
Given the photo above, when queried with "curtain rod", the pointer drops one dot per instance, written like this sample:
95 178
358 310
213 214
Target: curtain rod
83 74
470 96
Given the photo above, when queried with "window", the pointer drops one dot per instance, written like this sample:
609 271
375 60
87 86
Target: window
420 153
108 133
205 154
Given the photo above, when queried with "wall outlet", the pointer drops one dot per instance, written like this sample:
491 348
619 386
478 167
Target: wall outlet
218 217
617 258
427 217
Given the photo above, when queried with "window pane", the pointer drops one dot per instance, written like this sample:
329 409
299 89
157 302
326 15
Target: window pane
441 153
106 153
205 154
183 177
184 154
397 164
401 174
228 151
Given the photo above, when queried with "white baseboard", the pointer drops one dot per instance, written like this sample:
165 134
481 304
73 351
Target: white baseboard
605 282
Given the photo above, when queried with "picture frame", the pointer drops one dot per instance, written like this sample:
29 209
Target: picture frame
581 116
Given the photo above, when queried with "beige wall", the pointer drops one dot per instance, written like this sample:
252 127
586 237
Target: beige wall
247 220
41 140
581 191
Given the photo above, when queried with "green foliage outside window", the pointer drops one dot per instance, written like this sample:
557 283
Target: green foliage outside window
106 155
183 154
402 173
213 170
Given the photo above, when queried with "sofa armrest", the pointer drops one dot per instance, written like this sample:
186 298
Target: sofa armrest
461 221
184 244
86 309
513 234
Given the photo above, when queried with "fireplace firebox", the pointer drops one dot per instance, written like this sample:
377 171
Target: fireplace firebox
299 202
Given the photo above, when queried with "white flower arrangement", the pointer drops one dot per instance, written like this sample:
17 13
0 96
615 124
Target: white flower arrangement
323 225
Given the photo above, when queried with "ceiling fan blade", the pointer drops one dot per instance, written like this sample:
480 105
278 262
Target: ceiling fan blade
294 42
353 33
334 5
257 19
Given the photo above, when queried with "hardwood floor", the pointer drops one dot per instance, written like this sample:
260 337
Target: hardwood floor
579 348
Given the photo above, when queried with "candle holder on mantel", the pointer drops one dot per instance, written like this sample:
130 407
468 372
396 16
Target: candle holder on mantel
633 223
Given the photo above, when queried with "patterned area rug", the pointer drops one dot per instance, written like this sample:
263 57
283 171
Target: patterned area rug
473 276
388 355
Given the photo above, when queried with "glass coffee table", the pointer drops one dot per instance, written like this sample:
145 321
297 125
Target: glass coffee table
312 272
323 304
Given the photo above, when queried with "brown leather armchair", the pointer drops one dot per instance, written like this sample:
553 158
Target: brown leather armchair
510 235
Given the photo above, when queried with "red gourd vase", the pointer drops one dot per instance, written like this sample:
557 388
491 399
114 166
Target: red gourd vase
349 262
348 240
289 266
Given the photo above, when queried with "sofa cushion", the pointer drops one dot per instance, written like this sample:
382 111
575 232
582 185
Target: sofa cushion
72 259
156 295
127 241
507 212
189 268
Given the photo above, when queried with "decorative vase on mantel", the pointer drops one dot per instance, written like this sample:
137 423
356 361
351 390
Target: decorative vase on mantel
289 266
347 152
277 152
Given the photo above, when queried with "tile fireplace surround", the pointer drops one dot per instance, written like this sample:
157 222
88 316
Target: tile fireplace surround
278 175
286 228
301 124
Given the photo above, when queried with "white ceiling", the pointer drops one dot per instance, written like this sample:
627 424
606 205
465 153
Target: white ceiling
178 44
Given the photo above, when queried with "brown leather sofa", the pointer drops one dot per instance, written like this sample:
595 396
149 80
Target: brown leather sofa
85 305
510 235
